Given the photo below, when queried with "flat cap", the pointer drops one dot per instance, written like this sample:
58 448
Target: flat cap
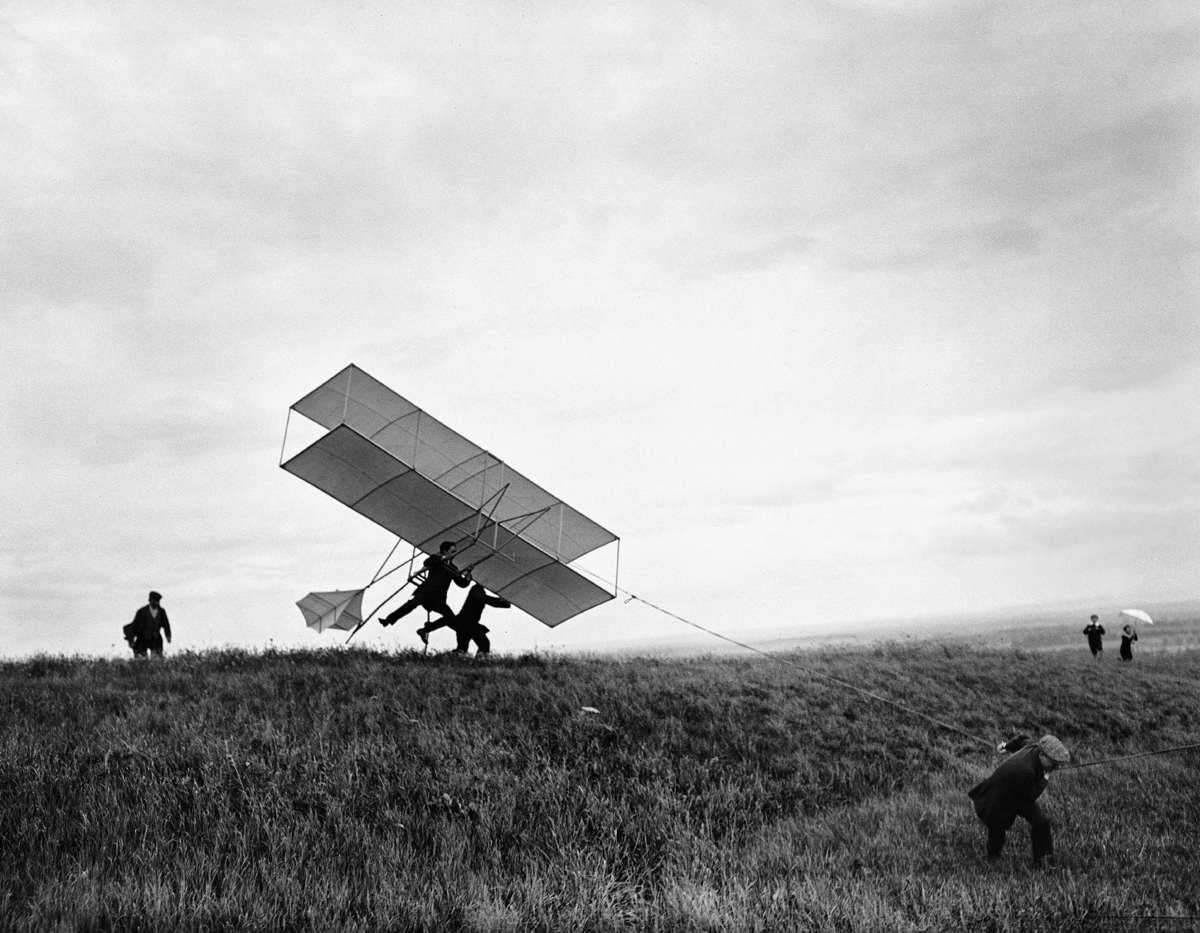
1053 749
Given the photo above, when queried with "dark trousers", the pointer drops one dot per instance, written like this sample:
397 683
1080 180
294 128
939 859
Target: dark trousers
147 643
1039 833
473 632
428 603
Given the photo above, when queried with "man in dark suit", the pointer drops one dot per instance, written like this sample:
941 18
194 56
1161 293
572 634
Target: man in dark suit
145 632
1012 790
466 623
1095 636
433 586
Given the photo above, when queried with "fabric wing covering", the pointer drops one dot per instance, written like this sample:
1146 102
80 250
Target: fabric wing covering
340 609
395 464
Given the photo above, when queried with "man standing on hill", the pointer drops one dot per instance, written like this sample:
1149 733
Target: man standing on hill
1012 790
145 632
1095 636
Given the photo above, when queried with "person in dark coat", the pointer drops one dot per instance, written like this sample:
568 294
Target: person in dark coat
1128 637
150 623
1012 790
1095 637
467 623
438 573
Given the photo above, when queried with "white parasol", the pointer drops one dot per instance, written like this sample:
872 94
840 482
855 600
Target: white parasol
1138 616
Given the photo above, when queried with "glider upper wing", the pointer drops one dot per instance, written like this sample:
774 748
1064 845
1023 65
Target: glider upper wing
395 464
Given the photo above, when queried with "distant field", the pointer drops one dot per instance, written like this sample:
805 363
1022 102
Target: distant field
356 790
1177 627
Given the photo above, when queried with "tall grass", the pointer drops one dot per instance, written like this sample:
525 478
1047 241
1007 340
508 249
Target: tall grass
355 790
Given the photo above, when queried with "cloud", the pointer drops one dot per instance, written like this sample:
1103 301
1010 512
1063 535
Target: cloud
905 290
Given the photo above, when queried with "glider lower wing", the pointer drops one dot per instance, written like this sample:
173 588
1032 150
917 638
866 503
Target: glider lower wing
395 464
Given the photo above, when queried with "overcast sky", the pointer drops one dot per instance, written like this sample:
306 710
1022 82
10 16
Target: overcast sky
832 310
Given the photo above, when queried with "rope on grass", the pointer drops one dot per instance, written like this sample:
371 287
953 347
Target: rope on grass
1104 761
800 667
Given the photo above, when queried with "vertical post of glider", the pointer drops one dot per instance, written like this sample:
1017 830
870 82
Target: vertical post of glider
483 486
287 424
346 403
503 485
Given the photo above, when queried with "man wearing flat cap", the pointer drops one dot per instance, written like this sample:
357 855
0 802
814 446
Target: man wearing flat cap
145 632
1012 790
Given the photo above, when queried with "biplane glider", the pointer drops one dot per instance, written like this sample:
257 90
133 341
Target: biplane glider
395 464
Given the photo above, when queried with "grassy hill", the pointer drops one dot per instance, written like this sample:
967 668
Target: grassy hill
356 790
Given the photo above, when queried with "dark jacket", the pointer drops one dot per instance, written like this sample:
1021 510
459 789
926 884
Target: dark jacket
144 631
472 607
440 572
1011 788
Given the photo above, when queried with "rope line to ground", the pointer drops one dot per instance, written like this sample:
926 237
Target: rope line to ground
814 673
1104 761
882 699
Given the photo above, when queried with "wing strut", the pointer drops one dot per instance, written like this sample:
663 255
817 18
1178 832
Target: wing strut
497 550
378 576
